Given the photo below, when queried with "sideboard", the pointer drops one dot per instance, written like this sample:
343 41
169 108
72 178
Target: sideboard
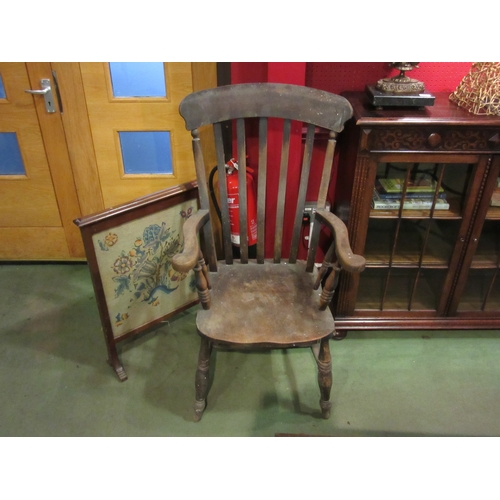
433 263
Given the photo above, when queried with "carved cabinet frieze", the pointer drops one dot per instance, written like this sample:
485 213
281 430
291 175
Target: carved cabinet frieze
431 139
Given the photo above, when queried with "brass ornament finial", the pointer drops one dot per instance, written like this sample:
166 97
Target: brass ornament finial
401 84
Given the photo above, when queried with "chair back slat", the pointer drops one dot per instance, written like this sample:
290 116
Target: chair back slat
242 188
221 169
261 190
327 170
301 199
280 207
322 195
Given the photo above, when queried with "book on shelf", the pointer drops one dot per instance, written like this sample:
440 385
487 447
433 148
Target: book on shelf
495 198
410 203
426 195
420 187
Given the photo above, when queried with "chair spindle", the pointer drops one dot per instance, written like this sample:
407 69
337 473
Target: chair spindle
280 207
242 189
322 196
261 190
221 169
204 200
301 200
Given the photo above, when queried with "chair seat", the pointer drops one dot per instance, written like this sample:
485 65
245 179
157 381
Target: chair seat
264 305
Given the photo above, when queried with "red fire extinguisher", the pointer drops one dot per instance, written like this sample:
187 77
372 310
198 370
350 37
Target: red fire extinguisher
233 199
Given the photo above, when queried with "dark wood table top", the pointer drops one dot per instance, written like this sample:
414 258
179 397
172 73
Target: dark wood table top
444 112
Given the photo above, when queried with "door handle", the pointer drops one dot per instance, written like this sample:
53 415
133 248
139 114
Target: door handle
46 91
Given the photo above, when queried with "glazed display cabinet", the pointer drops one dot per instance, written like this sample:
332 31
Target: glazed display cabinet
415 188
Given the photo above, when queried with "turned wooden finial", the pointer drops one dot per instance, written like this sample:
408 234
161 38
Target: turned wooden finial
329 288
202 282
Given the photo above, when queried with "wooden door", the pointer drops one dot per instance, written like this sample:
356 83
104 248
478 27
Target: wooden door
38 199
116 114
71 162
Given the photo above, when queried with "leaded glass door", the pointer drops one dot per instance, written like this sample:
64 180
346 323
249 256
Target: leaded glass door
478 289
419 218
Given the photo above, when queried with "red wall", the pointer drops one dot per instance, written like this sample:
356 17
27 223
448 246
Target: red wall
339 77
333 77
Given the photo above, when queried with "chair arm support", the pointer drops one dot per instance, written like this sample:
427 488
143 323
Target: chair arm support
348 261
188 258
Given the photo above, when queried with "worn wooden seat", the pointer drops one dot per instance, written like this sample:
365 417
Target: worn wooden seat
277 300
273 295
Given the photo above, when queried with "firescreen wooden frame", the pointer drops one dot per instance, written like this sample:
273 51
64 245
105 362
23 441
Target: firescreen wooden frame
99 233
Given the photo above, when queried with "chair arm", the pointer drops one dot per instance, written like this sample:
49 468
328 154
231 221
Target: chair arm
188 258
348 261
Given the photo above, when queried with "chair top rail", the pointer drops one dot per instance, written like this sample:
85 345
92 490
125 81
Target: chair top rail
251 100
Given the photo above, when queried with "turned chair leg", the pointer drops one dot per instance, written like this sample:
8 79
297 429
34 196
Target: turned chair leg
324 361
201 379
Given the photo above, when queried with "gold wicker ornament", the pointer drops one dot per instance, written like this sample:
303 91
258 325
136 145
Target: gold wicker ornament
479 90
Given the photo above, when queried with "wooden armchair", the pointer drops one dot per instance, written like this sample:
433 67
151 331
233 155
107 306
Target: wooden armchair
263 303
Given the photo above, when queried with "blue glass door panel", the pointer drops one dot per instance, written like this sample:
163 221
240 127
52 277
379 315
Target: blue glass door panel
2 89
138 79
11 161
146 152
